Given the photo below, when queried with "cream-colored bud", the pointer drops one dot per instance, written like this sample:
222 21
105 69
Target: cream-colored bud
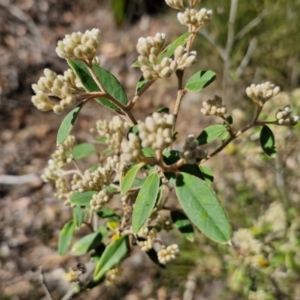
50 74
176 4
57 109
179 52
153 58
166 72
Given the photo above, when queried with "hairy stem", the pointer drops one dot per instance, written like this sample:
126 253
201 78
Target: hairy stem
237 134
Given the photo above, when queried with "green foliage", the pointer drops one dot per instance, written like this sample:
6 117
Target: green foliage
202 206
65 237
112 85
200 80
78 215
210 133
145 202
112 255
82 198
89 242
82 150
129 178
267 141
67 124
183 224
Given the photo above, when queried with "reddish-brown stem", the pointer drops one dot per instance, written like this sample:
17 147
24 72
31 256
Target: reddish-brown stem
107 95
253 123
138 95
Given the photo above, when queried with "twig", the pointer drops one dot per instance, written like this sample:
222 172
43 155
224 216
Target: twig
84 279
138 95
254 122
249 26
280 181
212 40
44 284
229 43
22 179
190 287
251 48
107 95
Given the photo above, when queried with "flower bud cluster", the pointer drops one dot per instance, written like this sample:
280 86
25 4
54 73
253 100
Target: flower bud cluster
79 46
116 164
127 203
58 160
149 49
100 199
151 46
274 220
285 116
167 254
183 58
191 150
156 131
250 251
214 107
113 131
62 189
261 93
131 149
112 275
194 17
176 4
163 223
90 181
59 86
150 236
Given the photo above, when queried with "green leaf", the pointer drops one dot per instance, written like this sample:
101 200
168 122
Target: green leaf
82 150
170 49
89 242
68 123
119 11
102 140
202 207
109 82
108 213
267 141
200 80
154 257
163 109
183 224
148 152
78 215
171 157
207 174
145 202
112 86
94 167
142 82
134 129
65 237
137 183
224 136
82 198
129 178
210 133
112 255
